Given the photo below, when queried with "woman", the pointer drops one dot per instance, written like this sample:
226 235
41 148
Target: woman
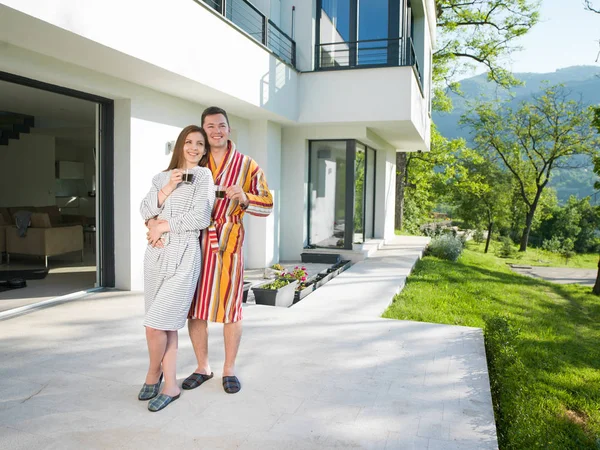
172 261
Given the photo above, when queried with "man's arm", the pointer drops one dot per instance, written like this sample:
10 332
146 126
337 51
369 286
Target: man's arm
260 200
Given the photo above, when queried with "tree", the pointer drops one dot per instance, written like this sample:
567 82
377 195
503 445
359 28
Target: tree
477 33
479 192
596 125
421 182
533 140
469 33
589 5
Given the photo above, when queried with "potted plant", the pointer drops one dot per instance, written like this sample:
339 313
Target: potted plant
276 270
357 246
280 292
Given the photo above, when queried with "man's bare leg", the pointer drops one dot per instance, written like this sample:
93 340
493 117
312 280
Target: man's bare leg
198 330
232 334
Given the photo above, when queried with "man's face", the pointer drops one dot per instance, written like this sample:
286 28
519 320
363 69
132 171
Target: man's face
217 129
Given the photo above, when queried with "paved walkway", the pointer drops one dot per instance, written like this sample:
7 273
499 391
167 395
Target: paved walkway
561 275
326 373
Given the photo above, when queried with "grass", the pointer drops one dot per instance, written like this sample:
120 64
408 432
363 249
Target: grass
548 396
539 257
404 233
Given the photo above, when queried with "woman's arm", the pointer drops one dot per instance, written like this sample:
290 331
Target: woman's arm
151 205
199 215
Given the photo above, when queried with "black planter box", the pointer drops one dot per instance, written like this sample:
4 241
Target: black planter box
299 295
247 285
321 258
275 297
322 279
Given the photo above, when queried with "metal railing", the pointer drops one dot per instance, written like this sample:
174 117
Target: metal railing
247 17
368 53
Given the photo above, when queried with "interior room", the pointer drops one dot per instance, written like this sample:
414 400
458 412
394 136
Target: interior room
47 195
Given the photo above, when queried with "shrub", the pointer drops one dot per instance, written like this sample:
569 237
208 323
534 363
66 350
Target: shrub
567 250
446 247
506 249
505 371
478 236
552 245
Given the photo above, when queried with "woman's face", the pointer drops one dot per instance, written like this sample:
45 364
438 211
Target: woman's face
193 148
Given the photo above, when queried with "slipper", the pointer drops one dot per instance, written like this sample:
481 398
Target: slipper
231 385
195 380
161 402
149 391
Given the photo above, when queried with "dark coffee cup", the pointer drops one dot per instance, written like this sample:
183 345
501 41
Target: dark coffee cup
187 178
220 193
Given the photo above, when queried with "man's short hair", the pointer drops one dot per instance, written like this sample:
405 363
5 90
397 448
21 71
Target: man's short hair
211 111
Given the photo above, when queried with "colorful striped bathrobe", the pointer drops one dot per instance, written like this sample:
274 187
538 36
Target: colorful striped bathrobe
219 293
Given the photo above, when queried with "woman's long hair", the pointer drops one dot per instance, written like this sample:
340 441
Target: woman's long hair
177 160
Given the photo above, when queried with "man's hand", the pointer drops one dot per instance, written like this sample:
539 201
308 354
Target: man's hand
156 227
153 236
235 192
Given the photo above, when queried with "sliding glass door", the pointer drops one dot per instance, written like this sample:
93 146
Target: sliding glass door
341 193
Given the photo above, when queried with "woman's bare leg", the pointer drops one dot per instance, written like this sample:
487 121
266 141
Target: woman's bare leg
169 365
157 345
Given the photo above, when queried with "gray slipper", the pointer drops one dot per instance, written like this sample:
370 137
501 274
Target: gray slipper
195 380
150 391
161 402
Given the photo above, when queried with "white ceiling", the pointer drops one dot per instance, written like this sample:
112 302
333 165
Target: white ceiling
49 109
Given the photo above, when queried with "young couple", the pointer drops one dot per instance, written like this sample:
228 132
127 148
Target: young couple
193 267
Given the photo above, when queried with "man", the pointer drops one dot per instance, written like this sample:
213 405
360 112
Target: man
220 287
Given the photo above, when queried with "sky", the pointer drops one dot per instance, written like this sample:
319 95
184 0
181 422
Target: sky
567 35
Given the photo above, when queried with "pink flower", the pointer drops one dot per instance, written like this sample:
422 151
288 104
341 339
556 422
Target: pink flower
303 278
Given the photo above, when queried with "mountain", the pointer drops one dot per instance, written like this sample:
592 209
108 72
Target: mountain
583 82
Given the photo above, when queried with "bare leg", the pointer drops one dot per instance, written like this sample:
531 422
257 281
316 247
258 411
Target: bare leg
198 330
232 334
157 344
169 365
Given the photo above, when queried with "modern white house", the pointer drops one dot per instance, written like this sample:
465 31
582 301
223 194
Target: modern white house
321 93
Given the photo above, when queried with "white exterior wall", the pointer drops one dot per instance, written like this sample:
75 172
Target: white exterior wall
160 82
141 41
262 233
385 188
335 97
304 30
144 121
294 170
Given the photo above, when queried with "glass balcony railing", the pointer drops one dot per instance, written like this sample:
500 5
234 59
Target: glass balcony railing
245 15
368 53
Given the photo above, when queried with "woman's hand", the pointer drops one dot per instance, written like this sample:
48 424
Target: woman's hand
235 192
174 180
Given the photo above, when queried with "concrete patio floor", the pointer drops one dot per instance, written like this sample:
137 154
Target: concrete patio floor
326 373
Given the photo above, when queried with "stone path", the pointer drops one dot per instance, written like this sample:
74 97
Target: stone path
561 275
326 373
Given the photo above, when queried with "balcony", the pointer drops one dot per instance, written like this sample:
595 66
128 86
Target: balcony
245 15
368 54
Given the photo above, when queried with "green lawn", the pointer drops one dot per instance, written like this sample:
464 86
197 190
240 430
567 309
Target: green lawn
539 257
546 391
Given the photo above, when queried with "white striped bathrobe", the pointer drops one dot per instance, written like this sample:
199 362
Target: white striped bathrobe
171 273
